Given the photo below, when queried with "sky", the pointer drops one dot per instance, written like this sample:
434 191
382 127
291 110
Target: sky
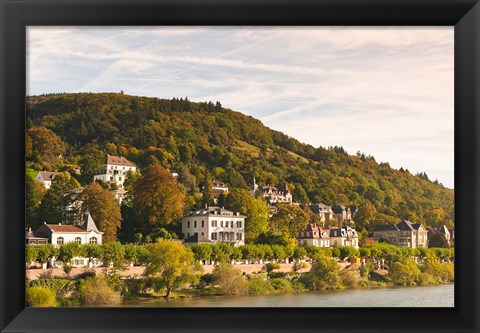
385 91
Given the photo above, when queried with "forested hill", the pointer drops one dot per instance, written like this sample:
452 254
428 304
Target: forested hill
203 140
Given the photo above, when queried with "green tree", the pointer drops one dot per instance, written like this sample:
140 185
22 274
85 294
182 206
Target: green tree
404 272
324 274
289 220
46 252
34 193
68 251
207 191
113 255
56 199
103 207
172 263
365 216
437 240
157 199
255 210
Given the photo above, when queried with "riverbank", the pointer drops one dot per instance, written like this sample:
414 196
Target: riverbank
419 296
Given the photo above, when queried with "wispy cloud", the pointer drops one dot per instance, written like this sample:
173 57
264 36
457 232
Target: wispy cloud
386 91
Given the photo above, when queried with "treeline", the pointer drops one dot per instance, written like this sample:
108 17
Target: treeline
205 141
174 269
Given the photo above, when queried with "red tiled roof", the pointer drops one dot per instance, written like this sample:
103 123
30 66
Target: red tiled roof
118 160
65 228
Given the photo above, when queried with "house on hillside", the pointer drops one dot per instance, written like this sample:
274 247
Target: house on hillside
324 212
314 235
46 177
120 194
115 170
218 188
342 213
213 225
402 234
343 236
59 234
272 194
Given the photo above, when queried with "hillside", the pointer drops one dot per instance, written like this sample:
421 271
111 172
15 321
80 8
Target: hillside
194 139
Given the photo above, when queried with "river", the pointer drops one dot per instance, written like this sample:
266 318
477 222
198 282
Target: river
428 296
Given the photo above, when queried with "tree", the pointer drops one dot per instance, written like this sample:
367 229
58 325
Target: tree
172 263
207 191
157 199
404 272
103 207
324 274
45 253
56 199
437 240
365 216
34 193
255 210
47 148
113 254
68 251
228 280
289 220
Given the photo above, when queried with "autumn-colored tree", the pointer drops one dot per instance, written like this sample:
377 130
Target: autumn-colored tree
56 199
157 199
46 147
34 192
255 210
289 220
103 206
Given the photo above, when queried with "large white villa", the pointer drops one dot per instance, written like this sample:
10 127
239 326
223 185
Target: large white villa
115 170
213 225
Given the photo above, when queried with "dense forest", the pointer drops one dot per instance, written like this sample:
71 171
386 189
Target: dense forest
206 141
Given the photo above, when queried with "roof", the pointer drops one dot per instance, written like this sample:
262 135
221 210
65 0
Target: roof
213 211
217 183
407 225
65 228
88 223
314 231
338 209
29 234
48 175
388 227
118 160
217 191
319 208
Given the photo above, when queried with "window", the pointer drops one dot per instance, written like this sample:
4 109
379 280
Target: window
221 224
93 240
239 236
214 236
231 224
78 240
60 240
111 178
239 224
214 223
188 224
203 223
119 178
194 224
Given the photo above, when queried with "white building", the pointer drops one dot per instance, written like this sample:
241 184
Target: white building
213 225
314 235
343 236
46 177
115 170
59 234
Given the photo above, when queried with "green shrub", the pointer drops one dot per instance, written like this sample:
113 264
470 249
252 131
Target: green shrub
404 272
228 280
271 266
259 286
96 291
350 278
425 279
281 285
55 285
324 274
40 297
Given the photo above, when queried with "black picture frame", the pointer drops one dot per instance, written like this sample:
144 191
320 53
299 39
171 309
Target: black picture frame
17 14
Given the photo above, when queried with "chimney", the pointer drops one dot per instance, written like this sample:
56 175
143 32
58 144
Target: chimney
206 206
